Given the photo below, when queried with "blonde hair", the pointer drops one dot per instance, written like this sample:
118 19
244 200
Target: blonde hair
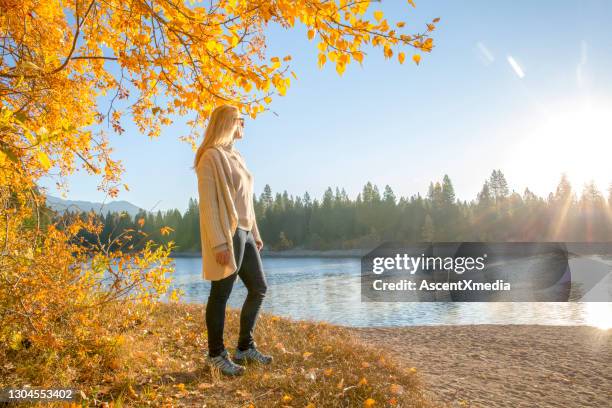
220 129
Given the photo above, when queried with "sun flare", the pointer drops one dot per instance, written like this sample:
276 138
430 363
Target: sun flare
599 315
575 139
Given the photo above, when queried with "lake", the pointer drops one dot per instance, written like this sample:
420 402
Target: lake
328 289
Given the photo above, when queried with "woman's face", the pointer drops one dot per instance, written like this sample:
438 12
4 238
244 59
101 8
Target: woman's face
238 133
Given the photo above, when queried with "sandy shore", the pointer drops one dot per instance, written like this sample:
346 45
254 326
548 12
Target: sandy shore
506 366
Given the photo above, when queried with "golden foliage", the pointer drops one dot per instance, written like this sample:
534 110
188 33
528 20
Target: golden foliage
65 66
160 364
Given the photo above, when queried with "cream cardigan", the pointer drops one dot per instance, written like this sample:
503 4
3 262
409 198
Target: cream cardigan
218 216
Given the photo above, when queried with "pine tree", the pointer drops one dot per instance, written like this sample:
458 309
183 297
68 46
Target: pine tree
389 196
266 197
307 200
368 193
498 185
484 197
328 198
448 191
428 231
564 190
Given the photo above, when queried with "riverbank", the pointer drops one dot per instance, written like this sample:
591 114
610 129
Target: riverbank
161 362
291 253
505 365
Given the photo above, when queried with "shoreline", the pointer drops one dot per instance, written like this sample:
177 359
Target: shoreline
574 249
291 253
504 365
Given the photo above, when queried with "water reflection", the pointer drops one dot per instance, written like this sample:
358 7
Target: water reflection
329 289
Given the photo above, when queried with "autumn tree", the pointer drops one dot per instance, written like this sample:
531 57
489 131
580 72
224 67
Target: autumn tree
73 72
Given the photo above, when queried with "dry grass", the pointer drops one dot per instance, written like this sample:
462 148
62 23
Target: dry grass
161 362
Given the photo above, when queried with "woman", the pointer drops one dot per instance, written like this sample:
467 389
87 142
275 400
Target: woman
230 238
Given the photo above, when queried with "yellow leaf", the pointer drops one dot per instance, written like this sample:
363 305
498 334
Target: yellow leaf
306 354
311 34
401 57
16 341
44 160
340 68
401 24
287 398
363 381
369 403
328 371
378 15
416 58
411 2
322 60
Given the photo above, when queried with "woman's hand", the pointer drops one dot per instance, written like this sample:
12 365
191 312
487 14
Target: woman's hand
223 257
259 244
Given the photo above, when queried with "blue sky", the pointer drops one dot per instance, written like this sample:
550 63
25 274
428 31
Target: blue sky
464 111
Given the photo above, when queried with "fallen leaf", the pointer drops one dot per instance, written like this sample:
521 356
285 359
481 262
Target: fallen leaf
369 403
396 389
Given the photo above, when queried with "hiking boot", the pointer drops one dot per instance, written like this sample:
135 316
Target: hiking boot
225 365
252 355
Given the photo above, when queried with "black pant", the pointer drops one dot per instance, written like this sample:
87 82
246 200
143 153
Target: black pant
251 272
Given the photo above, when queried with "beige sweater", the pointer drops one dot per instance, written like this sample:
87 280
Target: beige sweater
242 180
218 211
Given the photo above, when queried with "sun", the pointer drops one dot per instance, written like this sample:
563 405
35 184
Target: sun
598 315
571 138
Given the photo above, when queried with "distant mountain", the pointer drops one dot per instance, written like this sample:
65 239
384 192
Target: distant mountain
61 205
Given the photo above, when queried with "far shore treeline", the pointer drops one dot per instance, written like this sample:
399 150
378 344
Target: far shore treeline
337 222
